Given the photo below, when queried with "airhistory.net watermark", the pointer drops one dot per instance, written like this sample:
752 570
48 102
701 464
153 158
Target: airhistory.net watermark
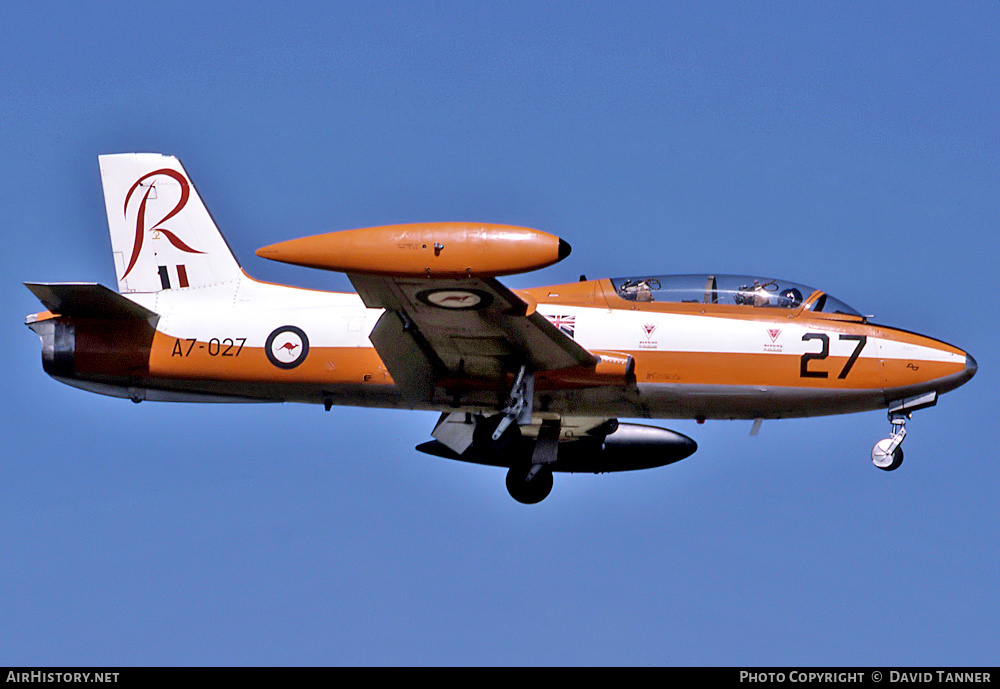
29 676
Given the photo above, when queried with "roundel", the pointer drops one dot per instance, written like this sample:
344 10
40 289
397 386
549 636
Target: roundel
458 299
287 346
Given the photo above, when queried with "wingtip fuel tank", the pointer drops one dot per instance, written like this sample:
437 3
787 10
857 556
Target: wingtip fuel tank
438 250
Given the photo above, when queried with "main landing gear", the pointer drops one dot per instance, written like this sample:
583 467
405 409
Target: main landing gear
888 452
518 409
529 479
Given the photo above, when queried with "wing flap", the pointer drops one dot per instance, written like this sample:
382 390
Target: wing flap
410 361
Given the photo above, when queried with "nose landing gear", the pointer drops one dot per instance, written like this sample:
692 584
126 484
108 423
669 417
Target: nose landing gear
888 453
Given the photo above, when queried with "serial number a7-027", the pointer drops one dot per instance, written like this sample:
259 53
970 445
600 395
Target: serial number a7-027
228 346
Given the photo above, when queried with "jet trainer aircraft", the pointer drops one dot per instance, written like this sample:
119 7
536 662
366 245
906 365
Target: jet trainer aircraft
534 380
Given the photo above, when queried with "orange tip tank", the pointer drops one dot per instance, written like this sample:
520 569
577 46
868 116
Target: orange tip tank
439 250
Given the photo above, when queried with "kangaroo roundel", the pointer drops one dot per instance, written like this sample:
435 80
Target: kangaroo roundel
287 346
458 299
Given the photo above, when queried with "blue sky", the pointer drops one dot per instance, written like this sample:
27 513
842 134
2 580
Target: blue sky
850 146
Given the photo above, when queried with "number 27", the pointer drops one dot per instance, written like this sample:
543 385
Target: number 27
824 339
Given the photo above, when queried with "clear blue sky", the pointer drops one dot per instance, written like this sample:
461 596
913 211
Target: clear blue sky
850 146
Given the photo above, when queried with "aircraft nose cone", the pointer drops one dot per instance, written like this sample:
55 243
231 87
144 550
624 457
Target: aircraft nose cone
970 366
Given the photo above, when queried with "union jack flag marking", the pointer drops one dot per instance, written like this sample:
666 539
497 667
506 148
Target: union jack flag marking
565 323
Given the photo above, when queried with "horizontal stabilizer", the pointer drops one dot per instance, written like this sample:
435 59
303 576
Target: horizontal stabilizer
87 300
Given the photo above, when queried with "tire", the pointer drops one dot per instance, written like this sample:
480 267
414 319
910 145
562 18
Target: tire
882 461
528 492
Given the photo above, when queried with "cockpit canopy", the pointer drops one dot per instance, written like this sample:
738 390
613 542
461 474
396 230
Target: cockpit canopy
739 290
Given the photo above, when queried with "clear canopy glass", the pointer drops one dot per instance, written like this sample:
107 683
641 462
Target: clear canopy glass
739 290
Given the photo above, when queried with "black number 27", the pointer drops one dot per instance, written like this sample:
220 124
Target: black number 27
824 339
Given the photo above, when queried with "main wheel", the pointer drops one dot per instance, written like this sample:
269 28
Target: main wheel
525 491
881 457
482 437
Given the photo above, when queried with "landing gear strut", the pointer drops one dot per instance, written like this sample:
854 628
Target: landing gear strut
518 409
485 436
888 453
502 431
529 479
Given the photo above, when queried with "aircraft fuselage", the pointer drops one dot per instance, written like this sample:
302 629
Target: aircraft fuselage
534 380
701 361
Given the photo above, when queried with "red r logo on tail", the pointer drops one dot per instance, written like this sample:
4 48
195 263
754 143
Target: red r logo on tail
140 220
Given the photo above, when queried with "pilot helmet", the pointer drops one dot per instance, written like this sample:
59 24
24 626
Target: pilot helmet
791 298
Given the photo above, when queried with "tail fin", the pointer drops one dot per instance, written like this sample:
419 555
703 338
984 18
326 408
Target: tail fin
162 235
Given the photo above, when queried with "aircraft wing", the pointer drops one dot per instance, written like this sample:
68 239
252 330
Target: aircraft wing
463 330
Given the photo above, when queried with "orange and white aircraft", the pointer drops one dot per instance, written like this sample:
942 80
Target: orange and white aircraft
534 380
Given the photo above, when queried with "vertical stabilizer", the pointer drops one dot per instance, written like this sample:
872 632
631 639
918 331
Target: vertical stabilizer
162 236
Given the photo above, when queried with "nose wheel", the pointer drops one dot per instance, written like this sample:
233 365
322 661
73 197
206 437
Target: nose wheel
887 454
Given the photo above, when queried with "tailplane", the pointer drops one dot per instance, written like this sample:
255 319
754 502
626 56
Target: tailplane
162 235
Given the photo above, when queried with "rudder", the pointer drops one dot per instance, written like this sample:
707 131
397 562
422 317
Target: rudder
162 235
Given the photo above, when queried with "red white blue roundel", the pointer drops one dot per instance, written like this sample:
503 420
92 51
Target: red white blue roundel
287 346
458 299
